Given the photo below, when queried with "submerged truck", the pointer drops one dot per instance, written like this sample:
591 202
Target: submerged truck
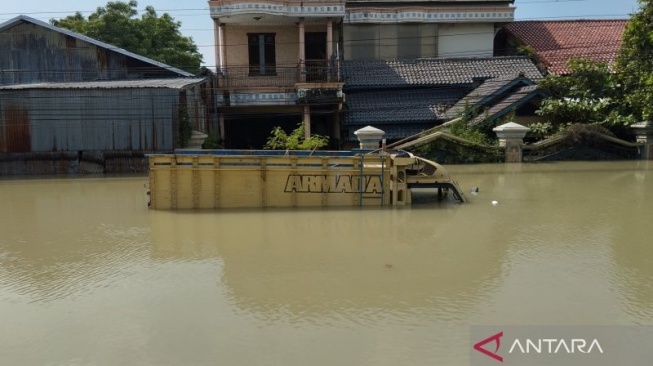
214 179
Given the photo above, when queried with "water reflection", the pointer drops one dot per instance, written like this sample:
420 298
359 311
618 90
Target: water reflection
316 262
84 258
60 236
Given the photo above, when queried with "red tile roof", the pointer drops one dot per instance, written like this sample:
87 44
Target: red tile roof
555 42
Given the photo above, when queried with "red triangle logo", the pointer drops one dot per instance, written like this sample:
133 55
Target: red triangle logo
494 338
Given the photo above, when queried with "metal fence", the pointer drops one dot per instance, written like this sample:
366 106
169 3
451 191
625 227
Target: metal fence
314 71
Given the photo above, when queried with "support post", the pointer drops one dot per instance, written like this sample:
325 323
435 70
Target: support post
329 47
218 34
511 138
307 122
369 137
644 135
302 51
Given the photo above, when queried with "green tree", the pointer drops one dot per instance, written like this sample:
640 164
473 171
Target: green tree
635 62
589 94
280 140
151 35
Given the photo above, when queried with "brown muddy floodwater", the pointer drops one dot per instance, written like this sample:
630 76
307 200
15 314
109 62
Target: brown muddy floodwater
90 276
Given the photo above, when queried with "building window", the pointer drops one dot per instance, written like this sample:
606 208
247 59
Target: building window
262 58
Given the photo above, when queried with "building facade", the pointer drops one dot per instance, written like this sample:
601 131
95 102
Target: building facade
279 63
67 96
408 29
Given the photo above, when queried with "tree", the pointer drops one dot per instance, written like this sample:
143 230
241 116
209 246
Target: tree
635 62
280 140
151 36
589 94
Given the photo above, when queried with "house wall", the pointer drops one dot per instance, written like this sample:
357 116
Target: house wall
374 41
53 120
466 40
286 47
31 54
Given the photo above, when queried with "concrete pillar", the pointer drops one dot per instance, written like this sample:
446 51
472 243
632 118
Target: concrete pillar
644 135
223 45
511 138
221 126
220 49
307 122
302 51
336 128
369 137
329 47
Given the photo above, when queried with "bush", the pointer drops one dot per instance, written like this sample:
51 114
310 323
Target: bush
280 140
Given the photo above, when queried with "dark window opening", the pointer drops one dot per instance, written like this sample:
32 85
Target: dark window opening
262 57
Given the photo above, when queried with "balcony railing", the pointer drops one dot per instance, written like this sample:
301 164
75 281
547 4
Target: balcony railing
314 71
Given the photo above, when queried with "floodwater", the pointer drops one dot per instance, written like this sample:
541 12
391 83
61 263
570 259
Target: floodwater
90 276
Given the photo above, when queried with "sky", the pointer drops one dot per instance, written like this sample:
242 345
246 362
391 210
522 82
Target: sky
196 22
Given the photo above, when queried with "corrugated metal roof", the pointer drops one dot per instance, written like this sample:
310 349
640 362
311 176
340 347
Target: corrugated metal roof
23 18
177 83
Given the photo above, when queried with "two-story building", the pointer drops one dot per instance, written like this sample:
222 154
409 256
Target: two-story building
279 62
277 65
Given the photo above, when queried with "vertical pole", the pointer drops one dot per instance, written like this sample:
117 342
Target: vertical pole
383 178
360 181
195 182
216 182
218 44
173 182
307 121
221 126
302 52
264 182
224 46
153 186
336 129
329 47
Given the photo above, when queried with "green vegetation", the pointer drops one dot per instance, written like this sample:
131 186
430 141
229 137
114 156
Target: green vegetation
185 128
635 63
595 94
590 94
213 142
153 36
280 140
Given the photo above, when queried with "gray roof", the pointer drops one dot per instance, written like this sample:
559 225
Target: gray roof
23 18
399 106
428 72
176 83
489 91
513 101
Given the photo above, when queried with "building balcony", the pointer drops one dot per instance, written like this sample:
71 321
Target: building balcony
318 81
313 74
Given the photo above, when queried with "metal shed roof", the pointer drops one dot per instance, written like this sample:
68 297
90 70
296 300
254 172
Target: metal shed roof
23 18
177 83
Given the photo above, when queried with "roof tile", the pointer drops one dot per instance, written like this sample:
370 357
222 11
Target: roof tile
399 106
555 42
432 72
